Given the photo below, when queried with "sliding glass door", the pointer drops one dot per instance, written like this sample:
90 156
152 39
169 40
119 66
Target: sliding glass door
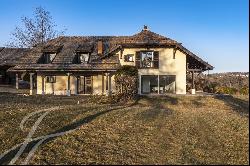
167 84
151 84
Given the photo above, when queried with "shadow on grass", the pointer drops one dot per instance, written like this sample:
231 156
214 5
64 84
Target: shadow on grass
8 157
198 101
238 105
6 97
155 106
156 100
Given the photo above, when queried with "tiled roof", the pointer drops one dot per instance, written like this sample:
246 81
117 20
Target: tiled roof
11 56
67 46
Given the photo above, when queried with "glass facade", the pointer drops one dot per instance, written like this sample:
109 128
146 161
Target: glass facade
154 83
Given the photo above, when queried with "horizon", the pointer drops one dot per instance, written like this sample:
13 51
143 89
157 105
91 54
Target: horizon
216 31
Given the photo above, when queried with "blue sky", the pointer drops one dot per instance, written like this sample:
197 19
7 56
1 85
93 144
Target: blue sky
215 30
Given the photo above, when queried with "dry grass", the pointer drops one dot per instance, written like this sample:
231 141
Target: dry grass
157 130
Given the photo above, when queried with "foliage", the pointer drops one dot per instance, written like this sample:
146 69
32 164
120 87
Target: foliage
127 70
36 30
126 80
244 90
221 84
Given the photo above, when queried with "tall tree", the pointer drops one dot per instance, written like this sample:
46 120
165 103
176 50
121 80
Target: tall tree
36 30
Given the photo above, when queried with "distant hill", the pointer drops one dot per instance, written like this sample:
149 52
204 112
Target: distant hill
235 81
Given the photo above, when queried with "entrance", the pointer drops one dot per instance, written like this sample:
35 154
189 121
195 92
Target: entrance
84 85
162 84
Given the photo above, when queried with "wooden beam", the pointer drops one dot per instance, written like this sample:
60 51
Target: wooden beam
195 70
31 83
174 51
68 85
43 84
17 81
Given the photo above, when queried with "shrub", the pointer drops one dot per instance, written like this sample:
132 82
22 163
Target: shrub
126 79
244 91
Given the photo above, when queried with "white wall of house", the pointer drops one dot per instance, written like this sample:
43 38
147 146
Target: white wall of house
60 86
168 65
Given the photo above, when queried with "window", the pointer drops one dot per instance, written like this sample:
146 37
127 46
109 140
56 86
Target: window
129 58
147 59
167 84
150 84
81 58
47 58
84 58
51 79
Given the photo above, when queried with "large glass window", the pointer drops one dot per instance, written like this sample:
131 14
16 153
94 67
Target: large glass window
149 84
167 84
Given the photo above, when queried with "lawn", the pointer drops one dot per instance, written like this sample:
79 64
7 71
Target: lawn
151 130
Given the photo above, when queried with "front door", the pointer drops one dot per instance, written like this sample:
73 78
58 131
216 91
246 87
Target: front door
84 85
88 85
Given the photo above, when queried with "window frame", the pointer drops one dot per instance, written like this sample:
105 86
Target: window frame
79 55
126 59
152 60
50 79
47 58
158 77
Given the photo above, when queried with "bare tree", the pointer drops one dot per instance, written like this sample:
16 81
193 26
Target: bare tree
35 31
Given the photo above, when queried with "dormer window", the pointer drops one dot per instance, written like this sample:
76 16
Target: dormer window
81 58
47 58
50 57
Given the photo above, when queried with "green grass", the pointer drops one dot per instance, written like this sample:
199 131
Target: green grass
152 130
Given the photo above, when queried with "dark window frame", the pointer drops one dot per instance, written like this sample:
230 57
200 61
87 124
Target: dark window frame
126 59
154 62
50 79
78 58
46 58
158 77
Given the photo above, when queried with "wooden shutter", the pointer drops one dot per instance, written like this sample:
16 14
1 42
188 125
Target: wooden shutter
138 59
156 59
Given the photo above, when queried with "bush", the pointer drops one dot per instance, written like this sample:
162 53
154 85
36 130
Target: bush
127 70
211 87
227 90
126 80
244 91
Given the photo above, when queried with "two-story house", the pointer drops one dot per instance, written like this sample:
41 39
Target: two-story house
87 64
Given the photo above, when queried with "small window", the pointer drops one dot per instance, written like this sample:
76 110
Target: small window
129 58
84 58
51 79
47 58
81 58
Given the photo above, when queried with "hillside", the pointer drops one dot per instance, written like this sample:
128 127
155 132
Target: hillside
230 82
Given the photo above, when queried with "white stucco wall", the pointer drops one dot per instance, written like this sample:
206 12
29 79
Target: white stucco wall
167 66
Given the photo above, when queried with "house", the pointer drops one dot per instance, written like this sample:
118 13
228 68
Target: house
9 57
87 64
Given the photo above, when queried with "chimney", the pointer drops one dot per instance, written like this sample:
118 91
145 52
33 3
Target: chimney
145 28
99 47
